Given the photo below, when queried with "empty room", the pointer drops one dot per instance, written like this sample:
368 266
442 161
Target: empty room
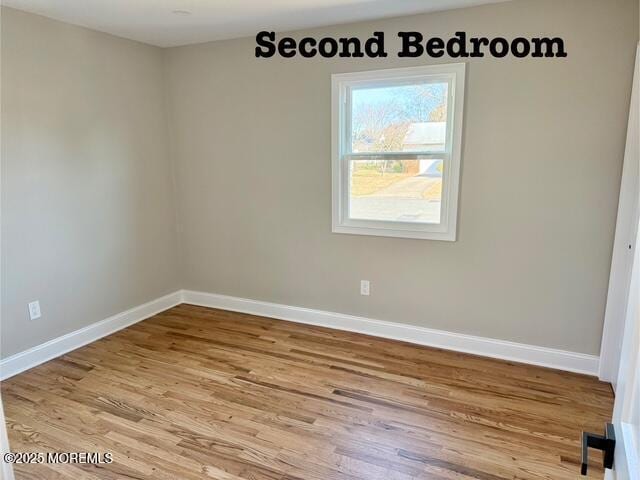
319 239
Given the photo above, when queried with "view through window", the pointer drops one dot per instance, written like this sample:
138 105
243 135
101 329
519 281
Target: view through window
397 157
408 118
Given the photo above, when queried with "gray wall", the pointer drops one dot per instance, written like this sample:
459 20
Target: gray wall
89 215
88 225
542 155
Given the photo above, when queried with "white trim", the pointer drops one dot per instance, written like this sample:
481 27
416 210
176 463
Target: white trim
624 240
488 347
628 440
454 75
631 444
32 357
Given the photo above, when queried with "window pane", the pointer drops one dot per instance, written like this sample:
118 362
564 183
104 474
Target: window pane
396 190
403 118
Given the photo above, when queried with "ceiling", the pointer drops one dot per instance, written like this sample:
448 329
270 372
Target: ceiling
169 23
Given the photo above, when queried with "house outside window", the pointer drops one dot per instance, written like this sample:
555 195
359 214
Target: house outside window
396 151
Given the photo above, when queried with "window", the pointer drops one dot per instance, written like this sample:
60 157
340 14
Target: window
396 151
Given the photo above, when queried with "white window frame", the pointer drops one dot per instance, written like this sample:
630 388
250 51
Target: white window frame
341 84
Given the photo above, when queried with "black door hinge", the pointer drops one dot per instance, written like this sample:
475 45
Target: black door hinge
606 443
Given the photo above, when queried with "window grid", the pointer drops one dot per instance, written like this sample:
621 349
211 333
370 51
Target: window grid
343 155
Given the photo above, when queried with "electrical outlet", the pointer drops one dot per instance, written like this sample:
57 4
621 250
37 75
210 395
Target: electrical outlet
34 310
364 287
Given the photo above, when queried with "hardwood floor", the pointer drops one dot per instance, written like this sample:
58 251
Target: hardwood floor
200 393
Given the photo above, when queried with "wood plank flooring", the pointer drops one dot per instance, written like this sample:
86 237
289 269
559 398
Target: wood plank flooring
198 393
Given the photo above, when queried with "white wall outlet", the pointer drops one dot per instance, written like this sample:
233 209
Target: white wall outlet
34 310
364 287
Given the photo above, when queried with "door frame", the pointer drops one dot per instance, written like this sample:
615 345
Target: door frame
623 249
626 410
622 323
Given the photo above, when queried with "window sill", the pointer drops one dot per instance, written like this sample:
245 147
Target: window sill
384 232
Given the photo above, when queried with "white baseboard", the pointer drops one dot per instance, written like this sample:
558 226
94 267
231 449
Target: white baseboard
488 347
22 361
